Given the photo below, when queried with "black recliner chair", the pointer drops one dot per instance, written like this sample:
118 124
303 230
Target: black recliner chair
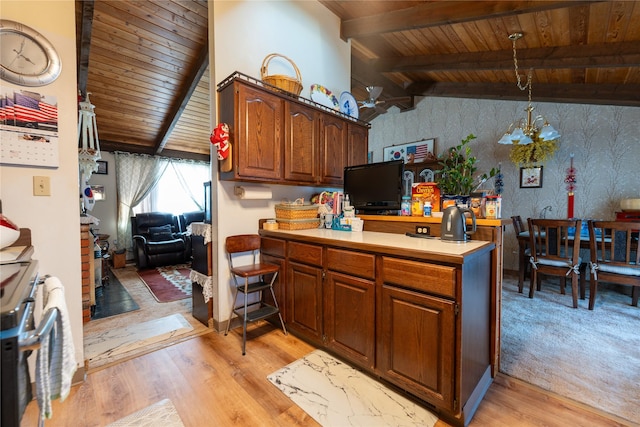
189 217
157 240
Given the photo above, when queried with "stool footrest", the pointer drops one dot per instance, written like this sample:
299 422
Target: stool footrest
255 287
262 313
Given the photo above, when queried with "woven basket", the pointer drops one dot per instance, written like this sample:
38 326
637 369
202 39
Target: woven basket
286 83
296 211
298 224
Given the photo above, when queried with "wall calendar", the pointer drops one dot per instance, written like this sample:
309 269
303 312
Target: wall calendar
28 129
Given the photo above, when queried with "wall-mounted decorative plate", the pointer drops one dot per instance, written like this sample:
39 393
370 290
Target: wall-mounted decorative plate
27 57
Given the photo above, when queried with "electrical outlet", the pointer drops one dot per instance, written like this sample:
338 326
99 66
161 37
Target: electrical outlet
41 186
423 229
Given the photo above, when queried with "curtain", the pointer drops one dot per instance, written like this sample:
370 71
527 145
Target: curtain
136 176
190 171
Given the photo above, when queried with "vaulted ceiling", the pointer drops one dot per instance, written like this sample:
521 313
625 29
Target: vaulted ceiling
145 62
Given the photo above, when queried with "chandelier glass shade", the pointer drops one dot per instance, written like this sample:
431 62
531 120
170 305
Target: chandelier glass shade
532 129
88 143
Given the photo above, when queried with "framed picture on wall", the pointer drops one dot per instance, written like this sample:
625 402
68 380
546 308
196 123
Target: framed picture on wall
98 192
531 177
412 152
103 167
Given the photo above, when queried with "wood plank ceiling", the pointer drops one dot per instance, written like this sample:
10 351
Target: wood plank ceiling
145 62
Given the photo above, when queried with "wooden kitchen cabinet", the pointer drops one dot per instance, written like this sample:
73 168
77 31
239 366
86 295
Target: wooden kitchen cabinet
302 147
417 339
280 139
274 251
349 314
255 124
349 318
304 290
416 318
357 145
333 152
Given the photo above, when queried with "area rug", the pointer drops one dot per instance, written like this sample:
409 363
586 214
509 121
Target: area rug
592 357
162 413
335 394
112 299
114 342
169 283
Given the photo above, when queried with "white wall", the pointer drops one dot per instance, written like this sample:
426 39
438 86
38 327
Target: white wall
54 220
604 140
106 210
245 33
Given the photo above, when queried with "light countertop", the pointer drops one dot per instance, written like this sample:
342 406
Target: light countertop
384 240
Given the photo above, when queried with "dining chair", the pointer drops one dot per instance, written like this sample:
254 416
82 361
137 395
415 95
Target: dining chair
555 251
615 257
524 253
258 277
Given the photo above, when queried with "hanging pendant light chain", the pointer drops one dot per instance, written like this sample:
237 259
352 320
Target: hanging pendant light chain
525 131
514 37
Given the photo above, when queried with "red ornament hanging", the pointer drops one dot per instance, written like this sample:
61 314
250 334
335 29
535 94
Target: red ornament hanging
570 180
220 139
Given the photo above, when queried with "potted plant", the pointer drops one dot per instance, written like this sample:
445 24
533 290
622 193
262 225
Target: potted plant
456 178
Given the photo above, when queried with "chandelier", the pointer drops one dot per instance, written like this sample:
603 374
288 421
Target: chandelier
526 131
88 144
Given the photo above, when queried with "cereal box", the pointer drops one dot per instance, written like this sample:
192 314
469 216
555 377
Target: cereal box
427 191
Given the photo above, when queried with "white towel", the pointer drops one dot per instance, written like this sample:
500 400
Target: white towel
56 362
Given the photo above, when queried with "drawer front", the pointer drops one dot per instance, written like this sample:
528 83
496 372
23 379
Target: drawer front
305 253
275 247
421 276
354 263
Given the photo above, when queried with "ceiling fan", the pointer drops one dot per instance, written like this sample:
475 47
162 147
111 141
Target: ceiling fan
373 101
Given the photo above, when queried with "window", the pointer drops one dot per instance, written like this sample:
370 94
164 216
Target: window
181 189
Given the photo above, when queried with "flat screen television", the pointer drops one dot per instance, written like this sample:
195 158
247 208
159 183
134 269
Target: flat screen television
375 188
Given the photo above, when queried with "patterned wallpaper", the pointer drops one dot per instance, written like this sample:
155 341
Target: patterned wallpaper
605 141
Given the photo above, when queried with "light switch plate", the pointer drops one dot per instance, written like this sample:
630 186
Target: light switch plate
41 186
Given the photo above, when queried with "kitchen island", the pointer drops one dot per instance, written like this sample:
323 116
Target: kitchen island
413 312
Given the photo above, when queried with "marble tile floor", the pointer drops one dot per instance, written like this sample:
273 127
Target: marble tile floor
150 309
335 394
119 341
162 413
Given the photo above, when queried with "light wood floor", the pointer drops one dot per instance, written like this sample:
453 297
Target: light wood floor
210 383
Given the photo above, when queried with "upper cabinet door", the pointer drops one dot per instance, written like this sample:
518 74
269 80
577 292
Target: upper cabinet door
259 134
358 145
301 156
333 149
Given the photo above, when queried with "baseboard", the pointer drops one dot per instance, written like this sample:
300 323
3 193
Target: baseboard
79 377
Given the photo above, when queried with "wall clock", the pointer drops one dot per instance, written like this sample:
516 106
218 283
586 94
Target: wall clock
27 57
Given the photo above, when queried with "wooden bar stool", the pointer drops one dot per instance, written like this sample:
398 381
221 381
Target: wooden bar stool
255 281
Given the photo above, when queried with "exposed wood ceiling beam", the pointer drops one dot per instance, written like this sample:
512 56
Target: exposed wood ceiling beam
363 74
445 12
111 146
181 102
603 94
603 55
85 45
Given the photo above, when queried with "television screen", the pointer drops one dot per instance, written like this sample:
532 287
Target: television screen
375 188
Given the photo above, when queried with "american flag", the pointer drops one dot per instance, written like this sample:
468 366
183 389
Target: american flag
29 109
419 150
7 112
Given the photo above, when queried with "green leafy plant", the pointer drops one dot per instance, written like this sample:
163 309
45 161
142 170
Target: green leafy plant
535 153
458 167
